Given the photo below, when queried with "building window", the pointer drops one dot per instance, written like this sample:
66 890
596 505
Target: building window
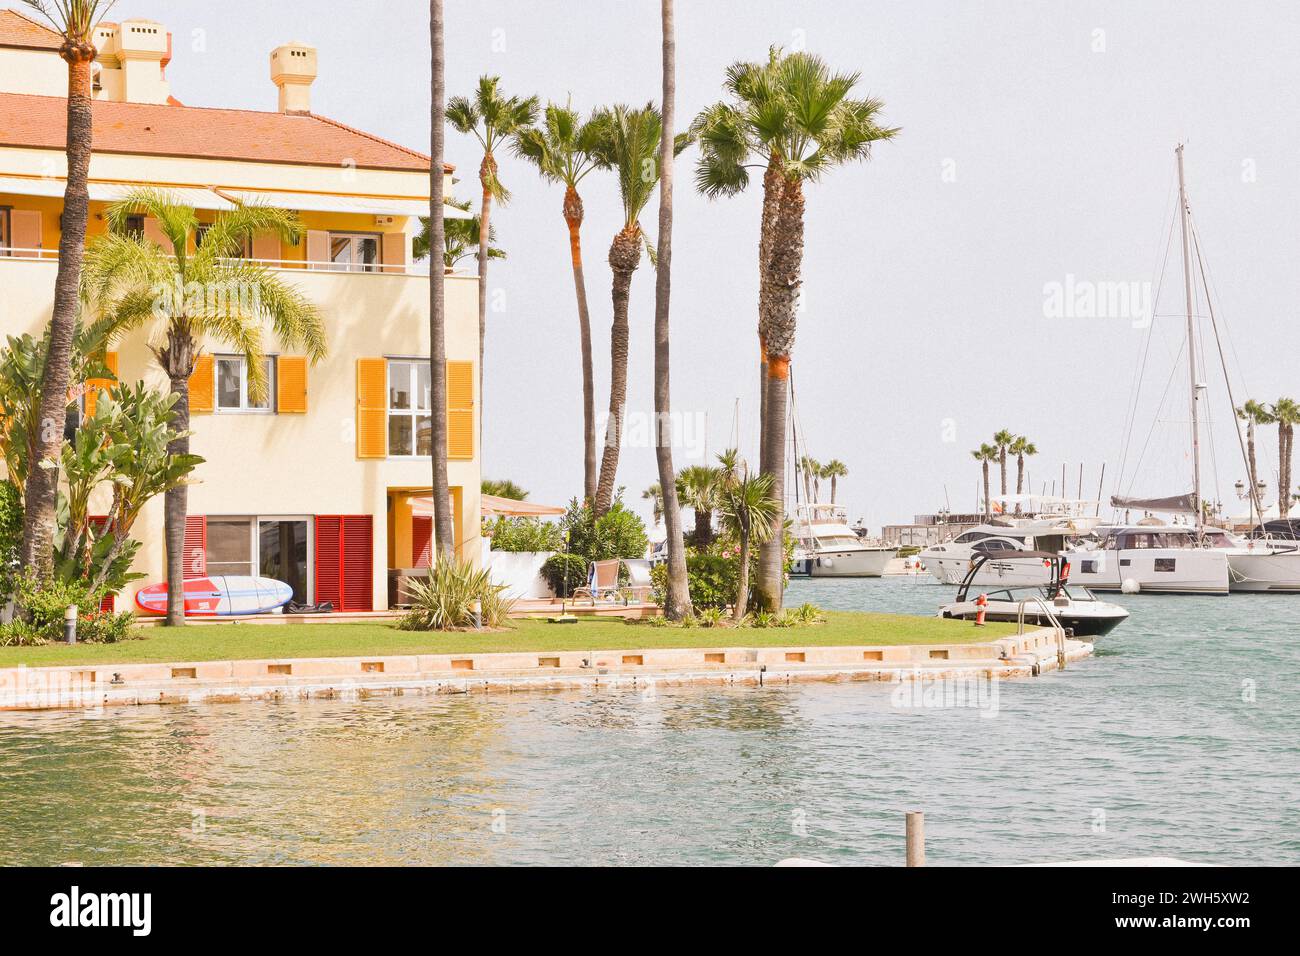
232 385
4 231
354 252
410 425
230 546
134 227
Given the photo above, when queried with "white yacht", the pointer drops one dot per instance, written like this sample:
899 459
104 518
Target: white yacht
1160 559
1054 528
826 547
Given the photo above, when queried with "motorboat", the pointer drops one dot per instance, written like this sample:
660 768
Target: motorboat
1052 600
1051 530
1159 559
827 547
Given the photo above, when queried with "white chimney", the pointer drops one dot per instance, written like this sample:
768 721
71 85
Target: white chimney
293 68
132 62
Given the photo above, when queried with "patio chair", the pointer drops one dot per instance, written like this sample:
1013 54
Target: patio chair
639 588
602 582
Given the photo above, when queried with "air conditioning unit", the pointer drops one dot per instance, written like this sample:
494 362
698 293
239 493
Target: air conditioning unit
385 220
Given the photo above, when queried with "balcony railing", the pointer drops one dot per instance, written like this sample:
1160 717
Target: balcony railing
295 265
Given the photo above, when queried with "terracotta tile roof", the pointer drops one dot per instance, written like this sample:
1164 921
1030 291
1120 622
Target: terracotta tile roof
17 29
173 130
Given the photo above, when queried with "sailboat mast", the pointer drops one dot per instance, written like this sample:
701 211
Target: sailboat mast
1191 343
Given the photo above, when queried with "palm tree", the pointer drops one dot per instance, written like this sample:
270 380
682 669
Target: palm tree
834 469
443 533
985 454
1002 440
677 597
751 513
1254 414
460 238
1286 412
503 488
627 141
697 486
492 119
793 117
1022 448
809 468
655 495
131 280
75 21
562 149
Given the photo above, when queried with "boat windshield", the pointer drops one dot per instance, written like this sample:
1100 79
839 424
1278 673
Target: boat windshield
1028 593
838 541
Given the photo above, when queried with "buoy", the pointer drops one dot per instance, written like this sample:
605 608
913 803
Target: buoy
1130 586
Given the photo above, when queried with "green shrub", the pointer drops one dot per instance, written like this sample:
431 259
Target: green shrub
564 573
444 601
619 533
524 534
45 603
711 578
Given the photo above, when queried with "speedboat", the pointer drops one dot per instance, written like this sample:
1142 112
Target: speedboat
828 548
1044 604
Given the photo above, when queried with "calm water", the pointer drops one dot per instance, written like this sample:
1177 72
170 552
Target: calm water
1149 748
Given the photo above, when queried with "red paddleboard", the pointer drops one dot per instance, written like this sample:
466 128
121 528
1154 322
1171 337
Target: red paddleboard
219 596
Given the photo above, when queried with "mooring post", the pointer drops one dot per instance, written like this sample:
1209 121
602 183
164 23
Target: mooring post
915 838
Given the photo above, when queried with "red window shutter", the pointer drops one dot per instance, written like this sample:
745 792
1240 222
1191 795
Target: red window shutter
196 547
108 604
358 563
421 540
345 561
328 552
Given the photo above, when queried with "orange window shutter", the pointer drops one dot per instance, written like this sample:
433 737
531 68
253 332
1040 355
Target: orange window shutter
393 250
460 411
266 247
202 385
26 228
95 385
291 384
372 408
318 249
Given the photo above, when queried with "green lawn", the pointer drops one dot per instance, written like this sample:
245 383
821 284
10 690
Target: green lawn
235 641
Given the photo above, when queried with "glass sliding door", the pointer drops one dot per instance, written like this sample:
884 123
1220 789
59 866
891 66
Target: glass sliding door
283 553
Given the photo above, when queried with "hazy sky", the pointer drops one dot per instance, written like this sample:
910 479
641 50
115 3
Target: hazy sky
1037 146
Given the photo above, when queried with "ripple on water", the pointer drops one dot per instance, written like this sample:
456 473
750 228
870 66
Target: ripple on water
1178 739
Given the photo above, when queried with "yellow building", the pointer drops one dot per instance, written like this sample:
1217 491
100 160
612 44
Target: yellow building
325 486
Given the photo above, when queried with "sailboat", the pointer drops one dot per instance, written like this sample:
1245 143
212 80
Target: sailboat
1189 557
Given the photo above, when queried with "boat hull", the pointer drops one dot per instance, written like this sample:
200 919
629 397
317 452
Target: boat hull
1079 624
851 563
1262 571
1153 570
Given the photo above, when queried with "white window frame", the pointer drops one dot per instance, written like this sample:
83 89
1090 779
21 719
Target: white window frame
352 265
415 412
255 542
244 408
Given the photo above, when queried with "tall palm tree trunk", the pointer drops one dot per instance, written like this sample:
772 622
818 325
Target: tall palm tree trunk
444 535
769 582
1250 465
573 214
41 490
624 256
1002 466
677 598
987 503
832 489
1283 478
177 359
486 174
778 302
1020 476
